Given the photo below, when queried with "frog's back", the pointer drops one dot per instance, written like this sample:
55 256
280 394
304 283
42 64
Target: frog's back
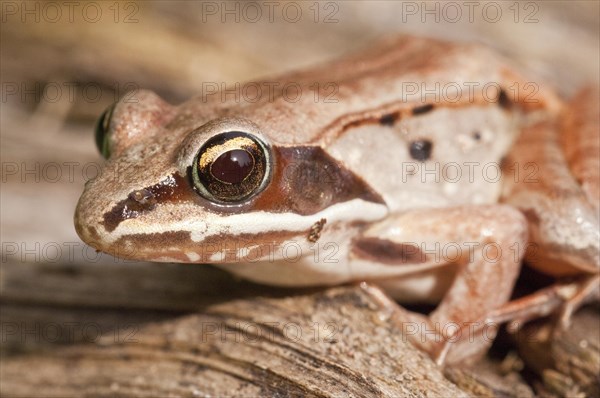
424 122
388 80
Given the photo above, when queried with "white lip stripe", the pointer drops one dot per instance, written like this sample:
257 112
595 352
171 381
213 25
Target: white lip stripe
193 256
250 223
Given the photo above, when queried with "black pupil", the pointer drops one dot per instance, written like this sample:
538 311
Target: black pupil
421 149
233 166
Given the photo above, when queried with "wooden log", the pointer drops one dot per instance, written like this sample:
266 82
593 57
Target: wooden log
120 284
568 365
332 343
491 378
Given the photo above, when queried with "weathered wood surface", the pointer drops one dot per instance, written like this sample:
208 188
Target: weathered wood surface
568 364
332 343
156 326
171 287
491 378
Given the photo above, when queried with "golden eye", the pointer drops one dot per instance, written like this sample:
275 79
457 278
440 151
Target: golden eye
231 167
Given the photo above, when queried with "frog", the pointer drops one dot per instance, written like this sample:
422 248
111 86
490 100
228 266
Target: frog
382 172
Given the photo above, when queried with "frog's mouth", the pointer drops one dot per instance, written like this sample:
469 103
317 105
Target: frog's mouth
222 248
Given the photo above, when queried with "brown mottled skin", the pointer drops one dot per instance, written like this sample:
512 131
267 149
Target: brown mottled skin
338 154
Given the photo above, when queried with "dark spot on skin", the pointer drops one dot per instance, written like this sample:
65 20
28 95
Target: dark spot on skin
315 231
387 252
359 123
476 135
419 110
503 100
388 120
421 150
531 216
504 162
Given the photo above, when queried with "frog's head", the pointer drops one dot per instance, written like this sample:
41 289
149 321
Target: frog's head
189 187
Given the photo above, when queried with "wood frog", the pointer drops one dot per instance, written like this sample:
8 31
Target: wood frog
385 167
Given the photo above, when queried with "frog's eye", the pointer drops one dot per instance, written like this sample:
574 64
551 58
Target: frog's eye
102 132
231 167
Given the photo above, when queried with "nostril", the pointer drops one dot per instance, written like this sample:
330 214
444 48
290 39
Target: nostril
141 196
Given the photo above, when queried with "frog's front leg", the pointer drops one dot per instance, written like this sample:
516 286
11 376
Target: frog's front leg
484 246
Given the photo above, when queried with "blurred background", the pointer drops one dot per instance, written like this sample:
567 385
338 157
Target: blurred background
63 63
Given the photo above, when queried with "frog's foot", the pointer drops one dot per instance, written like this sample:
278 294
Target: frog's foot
561 299
430 336
415 327
478 252
588 291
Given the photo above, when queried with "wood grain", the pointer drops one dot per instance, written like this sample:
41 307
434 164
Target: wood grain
327 344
